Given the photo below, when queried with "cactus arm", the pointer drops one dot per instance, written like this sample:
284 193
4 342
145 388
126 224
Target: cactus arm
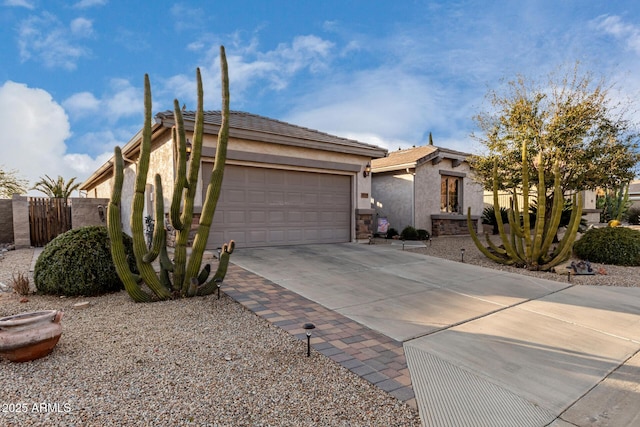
159 233
215 183
493 246
114 228
180 275
204 274
496 208
538 238
210 286
481 247
180 143
139 245
526 222
563 251
556 215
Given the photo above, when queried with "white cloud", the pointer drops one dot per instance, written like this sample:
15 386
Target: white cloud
35 130
81 103
19 3
46 39
81 27
385 107
84 4
616 27
121 100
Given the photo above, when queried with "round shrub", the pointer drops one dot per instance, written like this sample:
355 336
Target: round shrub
391 232
609 245
79 262
423 234
409 233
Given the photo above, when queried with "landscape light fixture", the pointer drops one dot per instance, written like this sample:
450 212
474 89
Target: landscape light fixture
367 170
218 283
462 254
308 327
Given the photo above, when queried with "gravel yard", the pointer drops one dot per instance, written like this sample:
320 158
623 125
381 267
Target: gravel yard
200 362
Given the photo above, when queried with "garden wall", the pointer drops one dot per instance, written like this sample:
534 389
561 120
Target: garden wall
14 217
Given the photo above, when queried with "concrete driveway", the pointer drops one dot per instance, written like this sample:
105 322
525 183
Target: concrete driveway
484 347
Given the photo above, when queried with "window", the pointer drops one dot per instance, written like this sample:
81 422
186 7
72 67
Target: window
450 189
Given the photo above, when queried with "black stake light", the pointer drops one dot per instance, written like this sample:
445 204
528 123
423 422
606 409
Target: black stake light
308 327
218 283
462 254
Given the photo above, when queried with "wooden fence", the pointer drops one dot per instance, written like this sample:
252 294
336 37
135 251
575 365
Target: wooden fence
47 218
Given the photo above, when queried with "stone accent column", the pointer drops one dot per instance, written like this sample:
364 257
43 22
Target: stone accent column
21 231
364 224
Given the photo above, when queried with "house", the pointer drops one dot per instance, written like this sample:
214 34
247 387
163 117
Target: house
283 184
426 187
634 193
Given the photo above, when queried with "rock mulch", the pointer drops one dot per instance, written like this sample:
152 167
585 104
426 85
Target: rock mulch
193 362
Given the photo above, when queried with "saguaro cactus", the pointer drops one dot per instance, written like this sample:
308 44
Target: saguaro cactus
527 246
182 277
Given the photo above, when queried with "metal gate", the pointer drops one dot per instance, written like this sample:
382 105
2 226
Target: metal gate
48 217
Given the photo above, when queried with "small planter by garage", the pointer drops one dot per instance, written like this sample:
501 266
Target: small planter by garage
29 336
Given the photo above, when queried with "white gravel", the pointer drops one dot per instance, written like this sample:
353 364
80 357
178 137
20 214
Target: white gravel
192 362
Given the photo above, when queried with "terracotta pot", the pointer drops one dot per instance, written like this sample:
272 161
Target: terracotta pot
29 336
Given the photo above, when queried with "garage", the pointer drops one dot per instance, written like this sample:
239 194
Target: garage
272 207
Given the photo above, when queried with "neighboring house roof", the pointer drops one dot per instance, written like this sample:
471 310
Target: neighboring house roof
248 126
412 157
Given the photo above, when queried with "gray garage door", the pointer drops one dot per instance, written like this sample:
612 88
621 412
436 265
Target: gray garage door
270 207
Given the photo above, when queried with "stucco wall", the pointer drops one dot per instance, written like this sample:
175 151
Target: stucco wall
6 221
392 195
427 191
161 162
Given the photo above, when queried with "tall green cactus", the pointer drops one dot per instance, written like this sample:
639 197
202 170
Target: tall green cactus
182 277
527 246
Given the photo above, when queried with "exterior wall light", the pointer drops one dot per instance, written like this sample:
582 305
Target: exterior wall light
367 170
308 327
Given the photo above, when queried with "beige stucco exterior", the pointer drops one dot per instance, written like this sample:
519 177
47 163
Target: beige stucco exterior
410 196
239 152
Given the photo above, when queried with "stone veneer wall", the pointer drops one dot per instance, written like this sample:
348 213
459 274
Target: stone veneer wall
6 221
364 223
451 225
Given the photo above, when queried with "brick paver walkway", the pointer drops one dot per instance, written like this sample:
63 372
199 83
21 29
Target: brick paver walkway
371 355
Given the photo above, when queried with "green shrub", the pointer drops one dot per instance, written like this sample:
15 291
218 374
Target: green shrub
391 232
409 233
489 217
423 234
634 215
610 245
79 262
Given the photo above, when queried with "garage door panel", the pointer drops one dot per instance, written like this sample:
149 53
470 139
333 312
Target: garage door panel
256 197
269 207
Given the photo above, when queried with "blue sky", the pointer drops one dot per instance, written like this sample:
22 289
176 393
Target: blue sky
382 72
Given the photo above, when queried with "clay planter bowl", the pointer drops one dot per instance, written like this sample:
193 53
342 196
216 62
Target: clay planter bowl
29 336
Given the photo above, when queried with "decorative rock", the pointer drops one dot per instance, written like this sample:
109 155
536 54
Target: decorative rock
82 305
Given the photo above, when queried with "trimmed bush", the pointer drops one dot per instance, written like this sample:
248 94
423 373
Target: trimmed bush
610 245
634 215
409 233
391 232
79 262
423 234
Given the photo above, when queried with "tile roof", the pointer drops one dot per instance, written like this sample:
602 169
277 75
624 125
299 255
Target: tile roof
241 124
403 157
